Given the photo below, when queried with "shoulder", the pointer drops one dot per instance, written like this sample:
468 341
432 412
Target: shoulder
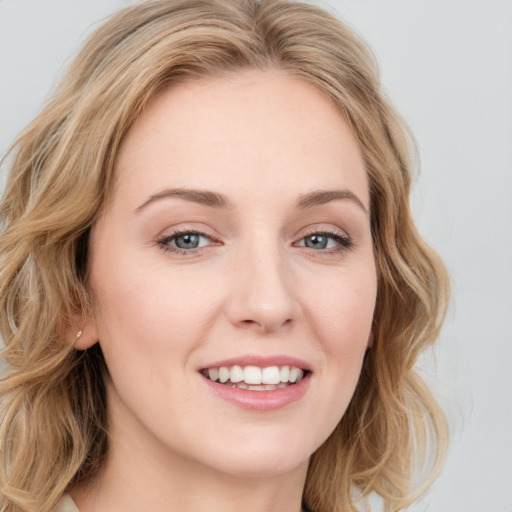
66 504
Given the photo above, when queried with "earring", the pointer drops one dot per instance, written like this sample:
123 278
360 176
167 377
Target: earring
78 334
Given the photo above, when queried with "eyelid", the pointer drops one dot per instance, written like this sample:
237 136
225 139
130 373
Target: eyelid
328 230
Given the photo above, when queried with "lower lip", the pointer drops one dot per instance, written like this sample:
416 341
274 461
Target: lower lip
260 400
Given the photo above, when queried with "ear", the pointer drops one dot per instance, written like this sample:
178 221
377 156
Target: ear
82 333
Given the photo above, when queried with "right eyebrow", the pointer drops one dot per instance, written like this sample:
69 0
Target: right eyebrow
204 197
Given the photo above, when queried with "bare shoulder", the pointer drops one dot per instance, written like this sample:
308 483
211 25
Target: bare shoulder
66 504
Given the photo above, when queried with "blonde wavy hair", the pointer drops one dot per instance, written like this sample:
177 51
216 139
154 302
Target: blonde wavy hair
54 424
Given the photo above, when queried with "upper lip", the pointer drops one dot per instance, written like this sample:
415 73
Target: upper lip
261 361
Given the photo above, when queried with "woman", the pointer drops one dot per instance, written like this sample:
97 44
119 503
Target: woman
212 291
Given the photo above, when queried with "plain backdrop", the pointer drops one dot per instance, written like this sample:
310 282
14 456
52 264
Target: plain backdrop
447 65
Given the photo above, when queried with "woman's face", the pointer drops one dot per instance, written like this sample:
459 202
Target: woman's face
236 246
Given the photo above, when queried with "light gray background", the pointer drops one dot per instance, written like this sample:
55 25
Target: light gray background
447 65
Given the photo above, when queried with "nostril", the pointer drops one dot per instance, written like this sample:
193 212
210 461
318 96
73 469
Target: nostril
263 327
251 324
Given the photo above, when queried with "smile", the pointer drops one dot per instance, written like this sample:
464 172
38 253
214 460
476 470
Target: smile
255 378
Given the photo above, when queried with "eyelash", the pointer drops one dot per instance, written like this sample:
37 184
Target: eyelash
165 241
345 243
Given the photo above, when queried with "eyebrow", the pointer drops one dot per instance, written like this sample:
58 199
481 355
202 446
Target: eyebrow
217 200
204 197
320 197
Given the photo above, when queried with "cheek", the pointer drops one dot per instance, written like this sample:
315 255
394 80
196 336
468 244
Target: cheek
342 316
345 306
150 310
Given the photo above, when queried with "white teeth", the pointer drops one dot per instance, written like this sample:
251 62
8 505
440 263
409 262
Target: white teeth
236 374
223 374
270 377
252 375
294 374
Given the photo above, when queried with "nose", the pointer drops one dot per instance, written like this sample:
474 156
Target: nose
263 296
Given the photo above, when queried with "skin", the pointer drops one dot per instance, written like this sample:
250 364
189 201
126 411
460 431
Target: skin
262 139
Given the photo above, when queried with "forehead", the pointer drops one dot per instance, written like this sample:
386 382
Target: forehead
256 130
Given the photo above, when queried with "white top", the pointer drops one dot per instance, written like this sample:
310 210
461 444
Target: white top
66 504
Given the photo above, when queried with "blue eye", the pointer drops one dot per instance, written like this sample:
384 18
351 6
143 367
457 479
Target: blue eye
185 241
316 241
189 242
322 241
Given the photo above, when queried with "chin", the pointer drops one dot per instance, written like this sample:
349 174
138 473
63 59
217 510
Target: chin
260 457
258 467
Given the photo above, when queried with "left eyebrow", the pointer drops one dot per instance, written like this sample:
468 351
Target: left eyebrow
320 197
